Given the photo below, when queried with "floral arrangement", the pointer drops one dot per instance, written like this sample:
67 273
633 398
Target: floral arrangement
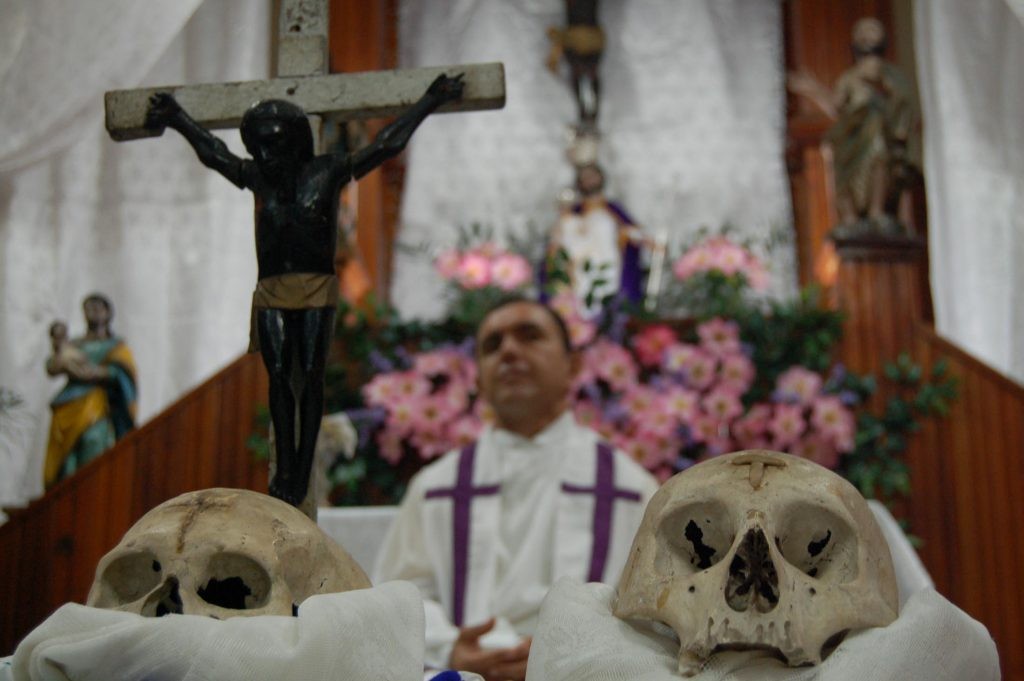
739 372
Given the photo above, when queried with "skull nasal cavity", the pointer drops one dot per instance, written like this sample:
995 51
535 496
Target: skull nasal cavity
225 593
701 551
164 601
753 580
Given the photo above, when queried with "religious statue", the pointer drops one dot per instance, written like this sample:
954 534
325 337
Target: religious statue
296 233
601 242
581 42
97 405
871 104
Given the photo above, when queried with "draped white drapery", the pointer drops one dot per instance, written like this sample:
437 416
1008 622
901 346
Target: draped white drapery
143 222
692 118
969 59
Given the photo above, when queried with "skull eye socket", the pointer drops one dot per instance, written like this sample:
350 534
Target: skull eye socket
130 577
819 543
700 533
235 582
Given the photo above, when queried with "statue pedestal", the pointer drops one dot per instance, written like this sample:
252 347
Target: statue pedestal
882 289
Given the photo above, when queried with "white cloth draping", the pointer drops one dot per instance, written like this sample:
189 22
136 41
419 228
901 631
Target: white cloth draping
169 242
692 118
368 634
578 638
969 58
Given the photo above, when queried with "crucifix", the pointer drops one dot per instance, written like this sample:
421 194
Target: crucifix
297 192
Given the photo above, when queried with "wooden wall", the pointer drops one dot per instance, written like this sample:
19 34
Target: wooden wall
49 550
966 471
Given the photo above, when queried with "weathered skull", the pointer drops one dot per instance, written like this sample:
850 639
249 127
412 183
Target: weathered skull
222 553
758 550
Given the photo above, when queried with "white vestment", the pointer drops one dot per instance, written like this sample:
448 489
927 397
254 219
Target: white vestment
591 240
488 537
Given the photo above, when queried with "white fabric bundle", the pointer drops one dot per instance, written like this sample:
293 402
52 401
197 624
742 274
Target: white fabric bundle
578 638
373 634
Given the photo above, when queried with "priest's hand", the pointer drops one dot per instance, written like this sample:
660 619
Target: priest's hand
502 664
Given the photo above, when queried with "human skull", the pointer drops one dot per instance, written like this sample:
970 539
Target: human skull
222 553
758 550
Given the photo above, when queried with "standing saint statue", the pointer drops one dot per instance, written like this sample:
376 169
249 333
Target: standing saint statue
296 235
601 243
871 104
97 405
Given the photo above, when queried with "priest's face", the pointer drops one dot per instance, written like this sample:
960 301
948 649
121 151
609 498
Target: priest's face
525 367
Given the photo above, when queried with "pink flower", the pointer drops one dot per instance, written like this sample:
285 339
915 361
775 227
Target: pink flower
750 430
757 275
679 357
833 421
798 384
390 445
701 372
474 271
817 449
787 425
651 342
723 404
429 444
720 337
510 271
639 399
647 452
697 259
613 363
581 331
713 433
727 257
431 417
659 421
737 372
435 362
401 417
409 384
381 389
682 403
447 264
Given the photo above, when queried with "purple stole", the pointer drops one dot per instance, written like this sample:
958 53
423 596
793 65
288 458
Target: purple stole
462 493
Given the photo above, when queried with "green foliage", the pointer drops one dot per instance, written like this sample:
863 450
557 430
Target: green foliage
876 466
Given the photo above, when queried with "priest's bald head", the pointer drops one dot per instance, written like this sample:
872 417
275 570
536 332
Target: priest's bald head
526 364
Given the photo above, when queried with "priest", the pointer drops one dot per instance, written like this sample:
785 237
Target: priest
484 531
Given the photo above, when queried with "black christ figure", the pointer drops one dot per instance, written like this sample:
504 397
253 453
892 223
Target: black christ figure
297 293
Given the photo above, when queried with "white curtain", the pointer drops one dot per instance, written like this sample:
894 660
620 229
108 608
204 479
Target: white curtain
692 118
971 70
168 241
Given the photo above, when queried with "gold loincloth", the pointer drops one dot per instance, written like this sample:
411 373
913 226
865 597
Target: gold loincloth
295 291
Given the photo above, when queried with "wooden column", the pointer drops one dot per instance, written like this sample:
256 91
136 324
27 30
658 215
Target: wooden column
364 37
879 288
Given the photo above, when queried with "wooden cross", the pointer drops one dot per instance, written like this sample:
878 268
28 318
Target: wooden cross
758 462
302 80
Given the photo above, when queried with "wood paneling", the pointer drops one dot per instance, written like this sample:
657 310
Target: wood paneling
967 468
967 471
49 550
